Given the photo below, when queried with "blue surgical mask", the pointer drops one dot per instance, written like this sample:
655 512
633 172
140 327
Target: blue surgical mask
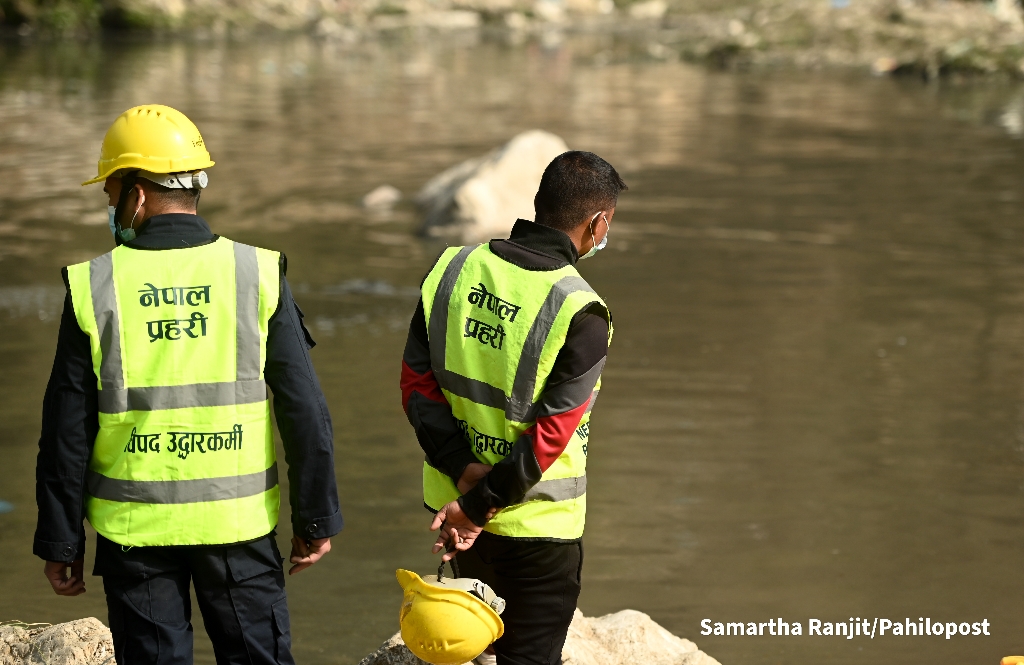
111 210
604 241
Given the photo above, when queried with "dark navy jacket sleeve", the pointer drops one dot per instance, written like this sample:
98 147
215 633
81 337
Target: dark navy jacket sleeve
304 422
70 424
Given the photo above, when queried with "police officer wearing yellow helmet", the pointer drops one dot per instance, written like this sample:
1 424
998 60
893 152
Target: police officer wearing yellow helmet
500 374
156 418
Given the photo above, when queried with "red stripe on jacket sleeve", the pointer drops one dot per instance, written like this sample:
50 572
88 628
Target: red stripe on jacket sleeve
551 434
424 384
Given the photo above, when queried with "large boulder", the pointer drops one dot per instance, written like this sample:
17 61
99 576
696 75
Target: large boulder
482 197
624 638
81 642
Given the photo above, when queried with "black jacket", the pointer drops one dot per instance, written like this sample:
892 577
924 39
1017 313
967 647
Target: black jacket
71 420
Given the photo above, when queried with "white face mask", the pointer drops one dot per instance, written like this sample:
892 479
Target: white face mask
126 235
598 246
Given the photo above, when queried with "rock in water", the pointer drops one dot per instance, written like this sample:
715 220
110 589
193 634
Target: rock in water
382 197
82 642
481 198
624 638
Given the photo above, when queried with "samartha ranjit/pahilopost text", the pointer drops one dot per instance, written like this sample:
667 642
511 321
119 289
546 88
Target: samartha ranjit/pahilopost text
854 627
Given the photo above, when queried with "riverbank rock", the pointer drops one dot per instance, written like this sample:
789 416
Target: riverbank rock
624 638
482 197
82 642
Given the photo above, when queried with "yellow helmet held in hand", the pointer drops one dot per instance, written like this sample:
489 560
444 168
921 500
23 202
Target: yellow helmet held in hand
448 621
151 138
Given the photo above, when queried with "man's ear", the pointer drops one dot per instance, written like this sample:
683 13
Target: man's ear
140 196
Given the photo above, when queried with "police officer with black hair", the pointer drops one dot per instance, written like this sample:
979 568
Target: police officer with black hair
500 374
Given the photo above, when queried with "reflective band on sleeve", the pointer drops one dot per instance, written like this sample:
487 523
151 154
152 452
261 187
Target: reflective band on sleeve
593 398
559 489
247 309
521 401
104 305
180 491
438 325
156 398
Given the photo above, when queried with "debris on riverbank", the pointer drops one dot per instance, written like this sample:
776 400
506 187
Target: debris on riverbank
926 37
482 197
81 642
624 638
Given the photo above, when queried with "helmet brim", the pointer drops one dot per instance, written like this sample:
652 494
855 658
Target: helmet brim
95 180
103 177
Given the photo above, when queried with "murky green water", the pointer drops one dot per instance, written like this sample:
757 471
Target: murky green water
814 405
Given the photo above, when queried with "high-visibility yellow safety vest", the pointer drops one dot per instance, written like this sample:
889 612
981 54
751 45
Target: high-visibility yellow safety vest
495 330
184 453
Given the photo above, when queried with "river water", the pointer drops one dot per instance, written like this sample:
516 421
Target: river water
814 403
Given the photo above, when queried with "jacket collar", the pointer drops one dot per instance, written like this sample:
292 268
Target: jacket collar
533 246
172 231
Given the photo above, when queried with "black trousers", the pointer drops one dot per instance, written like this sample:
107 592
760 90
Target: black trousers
240 589
540 582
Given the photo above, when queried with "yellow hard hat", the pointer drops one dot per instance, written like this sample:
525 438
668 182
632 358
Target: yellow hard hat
448 622
151 138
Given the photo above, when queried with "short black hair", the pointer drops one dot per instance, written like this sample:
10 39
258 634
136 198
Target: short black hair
575 185
184 198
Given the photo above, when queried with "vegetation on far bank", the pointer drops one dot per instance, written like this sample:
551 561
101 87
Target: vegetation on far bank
926 37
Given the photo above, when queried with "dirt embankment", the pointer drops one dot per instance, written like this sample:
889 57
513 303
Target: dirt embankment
927 37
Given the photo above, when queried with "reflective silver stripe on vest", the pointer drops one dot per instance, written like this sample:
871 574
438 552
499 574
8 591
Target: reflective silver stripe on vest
518 407
180 491
521 402
472 389
463 386
438 325
247 312
559 489
158 398
104 307
569 395
248 388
